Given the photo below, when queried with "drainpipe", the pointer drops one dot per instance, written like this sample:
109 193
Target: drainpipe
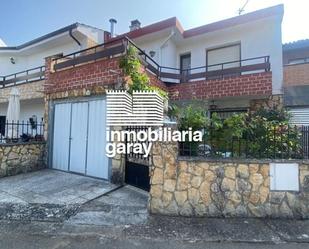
75 39
164 43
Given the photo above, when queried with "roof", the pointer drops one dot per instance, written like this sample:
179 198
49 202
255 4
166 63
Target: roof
296 45
174 23
47 36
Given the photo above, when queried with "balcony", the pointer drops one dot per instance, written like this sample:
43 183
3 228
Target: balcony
251 76
27 76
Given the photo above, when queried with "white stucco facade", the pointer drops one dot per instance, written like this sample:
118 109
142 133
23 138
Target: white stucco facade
256 39
34 55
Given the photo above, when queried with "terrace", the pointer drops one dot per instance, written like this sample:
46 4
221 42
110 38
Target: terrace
250 76
246 77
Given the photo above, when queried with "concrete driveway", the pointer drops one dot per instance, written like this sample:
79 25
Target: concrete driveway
51 187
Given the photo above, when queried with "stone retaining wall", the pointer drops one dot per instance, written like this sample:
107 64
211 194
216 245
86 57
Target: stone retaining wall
21 158
189 187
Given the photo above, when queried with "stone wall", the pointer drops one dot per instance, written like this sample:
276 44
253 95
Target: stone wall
212 188
272 102
32 90
21 158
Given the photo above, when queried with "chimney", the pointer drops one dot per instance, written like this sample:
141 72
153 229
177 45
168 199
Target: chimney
113 24
135 24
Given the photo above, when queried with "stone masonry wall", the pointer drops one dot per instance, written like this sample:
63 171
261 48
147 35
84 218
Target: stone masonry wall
21 158
33 90
220 188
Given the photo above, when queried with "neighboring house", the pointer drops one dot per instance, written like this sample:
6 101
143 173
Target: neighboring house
24 65
296 80
231 65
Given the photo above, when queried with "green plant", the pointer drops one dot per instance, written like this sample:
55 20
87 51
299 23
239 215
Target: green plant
192 117
137 79
263 134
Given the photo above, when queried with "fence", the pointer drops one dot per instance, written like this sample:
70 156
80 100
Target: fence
281 142
20 132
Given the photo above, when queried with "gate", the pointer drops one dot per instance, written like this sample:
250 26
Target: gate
305 141
137 167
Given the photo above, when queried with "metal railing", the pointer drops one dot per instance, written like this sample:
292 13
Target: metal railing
283 142
21 132
26 76
118 47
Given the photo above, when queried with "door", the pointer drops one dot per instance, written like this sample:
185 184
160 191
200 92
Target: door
78 137
2 125
61 136
97 161
185 66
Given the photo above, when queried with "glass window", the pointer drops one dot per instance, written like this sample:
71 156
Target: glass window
298 61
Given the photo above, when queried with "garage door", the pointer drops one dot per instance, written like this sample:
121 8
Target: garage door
79 138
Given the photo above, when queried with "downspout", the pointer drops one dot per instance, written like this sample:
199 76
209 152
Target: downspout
163 44
74 38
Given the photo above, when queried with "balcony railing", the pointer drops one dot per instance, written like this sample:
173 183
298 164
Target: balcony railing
118 47
27 76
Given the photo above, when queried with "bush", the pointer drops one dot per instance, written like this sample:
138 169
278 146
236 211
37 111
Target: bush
263 134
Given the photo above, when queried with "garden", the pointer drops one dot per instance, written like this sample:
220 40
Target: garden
263 134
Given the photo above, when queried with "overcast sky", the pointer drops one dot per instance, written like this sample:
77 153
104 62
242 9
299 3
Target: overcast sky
21 20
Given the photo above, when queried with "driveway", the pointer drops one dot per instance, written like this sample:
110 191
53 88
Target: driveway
53 187
126 206
48 194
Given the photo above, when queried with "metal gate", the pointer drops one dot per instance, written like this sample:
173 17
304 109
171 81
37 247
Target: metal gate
137 167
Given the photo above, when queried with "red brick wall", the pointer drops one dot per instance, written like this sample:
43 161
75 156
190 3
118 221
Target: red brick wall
259 84
99 74
294 75
157 82
84 76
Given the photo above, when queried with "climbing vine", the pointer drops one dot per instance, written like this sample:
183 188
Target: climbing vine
137 79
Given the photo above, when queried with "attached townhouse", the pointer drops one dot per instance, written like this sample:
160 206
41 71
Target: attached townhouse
296 80
229 66
23 67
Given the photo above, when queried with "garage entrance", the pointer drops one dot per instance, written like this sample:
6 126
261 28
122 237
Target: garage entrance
79 138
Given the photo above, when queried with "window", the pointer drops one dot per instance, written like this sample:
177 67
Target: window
217 58
298 61
185 66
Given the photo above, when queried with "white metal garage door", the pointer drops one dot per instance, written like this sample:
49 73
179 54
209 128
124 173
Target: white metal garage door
79 138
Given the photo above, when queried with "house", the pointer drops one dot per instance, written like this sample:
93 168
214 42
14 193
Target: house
231 65
296 80
23 66
242 41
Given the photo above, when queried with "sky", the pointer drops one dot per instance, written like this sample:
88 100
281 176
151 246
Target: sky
24 20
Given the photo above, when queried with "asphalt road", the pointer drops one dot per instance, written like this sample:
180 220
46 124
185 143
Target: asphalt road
20 241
